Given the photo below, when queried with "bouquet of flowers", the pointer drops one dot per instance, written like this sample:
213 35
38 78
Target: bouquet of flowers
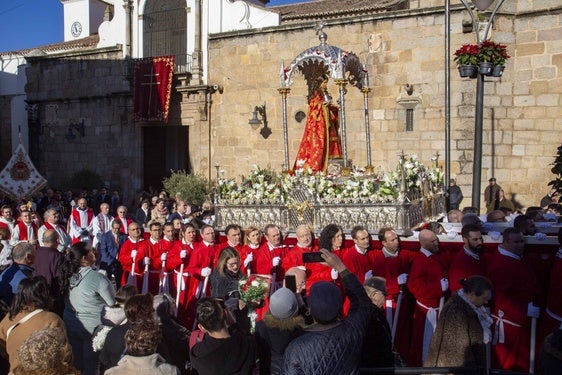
253 290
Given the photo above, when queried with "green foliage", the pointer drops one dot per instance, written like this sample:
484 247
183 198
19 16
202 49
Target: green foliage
557 170
86 179
192 188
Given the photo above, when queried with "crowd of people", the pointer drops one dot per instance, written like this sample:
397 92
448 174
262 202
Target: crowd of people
159 292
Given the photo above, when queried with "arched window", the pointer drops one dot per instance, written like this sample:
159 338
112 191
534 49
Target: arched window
165 31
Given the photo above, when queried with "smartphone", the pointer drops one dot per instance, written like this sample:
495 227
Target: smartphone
313 257
291 283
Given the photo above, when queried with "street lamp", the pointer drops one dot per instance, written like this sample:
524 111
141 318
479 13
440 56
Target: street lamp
479 115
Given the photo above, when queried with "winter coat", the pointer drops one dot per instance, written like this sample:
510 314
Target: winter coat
458 339
230 356
333 348
273 335
377 348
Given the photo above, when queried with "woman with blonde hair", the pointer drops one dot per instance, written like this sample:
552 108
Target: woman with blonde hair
252 241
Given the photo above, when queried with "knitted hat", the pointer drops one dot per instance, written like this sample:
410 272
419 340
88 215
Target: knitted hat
377 283
283 304
325 301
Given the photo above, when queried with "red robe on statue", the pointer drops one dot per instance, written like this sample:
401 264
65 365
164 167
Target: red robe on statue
320 140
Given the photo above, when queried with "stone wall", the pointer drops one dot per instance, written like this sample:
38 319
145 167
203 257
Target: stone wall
91 88
405 47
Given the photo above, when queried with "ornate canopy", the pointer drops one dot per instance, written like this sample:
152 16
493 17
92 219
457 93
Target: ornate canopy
325 59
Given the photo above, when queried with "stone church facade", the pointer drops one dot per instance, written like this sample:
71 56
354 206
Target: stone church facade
400 42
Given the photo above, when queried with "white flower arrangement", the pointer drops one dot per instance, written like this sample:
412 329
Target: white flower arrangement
265 186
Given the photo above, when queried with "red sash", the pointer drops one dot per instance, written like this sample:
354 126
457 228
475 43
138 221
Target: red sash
76 216
23 230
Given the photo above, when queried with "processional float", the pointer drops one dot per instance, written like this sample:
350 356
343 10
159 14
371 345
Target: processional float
341 193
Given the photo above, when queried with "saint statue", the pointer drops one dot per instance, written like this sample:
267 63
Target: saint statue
320 141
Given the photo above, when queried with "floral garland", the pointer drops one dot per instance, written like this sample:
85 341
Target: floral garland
265 186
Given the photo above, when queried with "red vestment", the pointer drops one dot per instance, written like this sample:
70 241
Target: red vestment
514 286
464 266
174 262
76 224
127 261
320 140
425 284
390 267
293 256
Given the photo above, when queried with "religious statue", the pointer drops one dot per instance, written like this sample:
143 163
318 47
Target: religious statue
320 141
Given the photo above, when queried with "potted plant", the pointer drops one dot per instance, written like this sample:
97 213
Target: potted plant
499 57
466 58
486 54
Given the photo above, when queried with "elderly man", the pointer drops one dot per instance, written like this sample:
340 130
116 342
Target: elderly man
515 291
81 219
122 216
52 222
23 256
293 257
101 223
183 211
131 256
429 284
109 245
25 230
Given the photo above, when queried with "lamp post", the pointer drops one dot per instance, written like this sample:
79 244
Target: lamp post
479 112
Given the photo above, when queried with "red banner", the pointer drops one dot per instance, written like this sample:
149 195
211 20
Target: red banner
153 88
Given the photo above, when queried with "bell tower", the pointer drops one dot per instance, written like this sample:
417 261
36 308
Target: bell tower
82 18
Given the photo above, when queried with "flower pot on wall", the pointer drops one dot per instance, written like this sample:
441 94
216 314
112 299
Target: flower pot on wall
468 71
498 70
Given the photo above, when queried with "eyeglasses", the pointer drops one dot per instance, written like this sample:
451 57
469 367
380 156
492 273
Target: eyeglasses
232 264
134 229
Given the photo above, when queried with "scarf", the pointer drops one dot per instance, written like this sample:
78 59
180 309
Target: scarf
483 316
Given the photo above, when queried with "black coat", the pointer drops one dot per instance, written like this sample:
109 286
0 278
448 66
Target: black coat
377 348
230 356
332 349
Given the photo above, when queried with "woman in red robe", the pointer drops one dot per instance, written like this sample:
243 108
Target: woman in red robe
320 140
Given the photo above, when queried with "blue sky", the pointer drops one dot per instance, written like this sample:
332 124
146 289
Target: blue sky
33 23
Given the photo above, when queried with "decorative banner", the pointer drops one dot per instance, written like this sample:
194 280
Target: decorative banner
19 179
153 88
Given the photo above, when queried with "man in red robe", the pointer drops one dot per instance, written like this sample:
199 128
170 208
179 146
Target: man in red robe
154 253
428 283
468 262
52 220
320 140
394 263
25 230
359 258
131 256
81 219
515 290
7 219
293 256
233 234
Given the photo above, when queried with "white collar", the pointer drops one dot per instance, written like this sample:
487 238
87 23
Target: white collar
508 253
471 253
360 251
388 254
207 243
425 252
153 241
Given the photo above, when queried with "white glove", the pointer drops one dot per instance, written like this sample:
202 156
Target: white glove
368 274
276 261
133 254
402 279
444 284
494 235
533 311
183 254
487 226
205 271
249 258
539 236
334 273
146 261
163 257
